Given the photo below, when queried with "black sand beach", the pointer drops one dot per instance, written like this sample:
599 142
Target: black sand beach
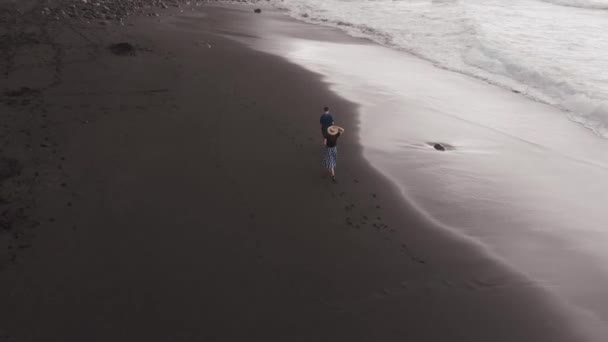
175 194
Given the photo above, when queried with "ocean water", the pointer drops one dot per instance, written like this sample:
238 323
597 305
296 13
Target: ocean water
554 51
520 180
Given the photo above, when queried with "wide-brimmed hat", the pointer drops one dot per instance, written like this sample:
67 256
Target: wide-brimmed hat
333 130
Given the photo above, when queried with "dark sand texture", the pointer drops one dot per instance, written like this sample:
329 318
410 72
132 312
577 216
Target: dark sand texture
180 198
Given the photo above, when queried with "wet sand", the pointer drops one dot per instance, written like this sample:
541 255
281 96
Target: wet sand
545 218
176 195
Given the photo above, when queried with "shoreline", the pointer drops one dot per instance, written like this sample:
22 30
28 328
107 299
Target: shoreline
165 229
583 110
541 224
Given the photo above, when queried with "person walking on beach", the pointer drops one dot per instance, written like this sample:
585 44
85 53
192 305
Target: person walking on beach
326 120
330 158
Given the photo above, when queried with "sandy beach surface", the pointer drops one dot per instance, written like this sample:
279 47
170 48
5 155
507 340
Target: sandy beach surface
173 192
518 178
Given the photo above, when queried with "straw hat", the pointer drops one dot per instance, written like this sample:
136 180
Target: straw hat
333 130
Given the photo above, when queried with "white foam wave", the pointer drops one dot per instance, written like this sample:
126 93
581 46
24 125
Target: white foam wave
590 4
546 52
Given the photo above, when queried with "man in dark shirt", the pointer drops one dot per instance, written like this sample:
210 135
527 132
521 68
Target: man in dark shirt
326 120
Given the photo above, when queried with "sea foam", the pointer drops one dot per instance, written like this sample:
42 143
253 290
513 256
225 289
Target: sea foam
591 4
548 50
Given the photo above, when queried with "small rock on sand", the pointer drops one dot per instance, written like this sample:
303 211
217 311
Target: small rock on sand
439 147
122 49
9 168
23 91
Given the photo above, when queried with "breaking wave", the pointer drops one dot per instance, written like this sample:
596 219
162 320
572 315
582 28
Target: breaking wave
590 4
546 52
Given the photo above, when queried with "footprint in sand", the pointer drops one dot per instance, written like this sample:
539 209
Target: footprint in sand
405 249
349 207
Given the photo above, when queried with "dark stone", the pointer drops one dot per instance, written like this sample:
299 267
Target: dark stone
122 49
9 168
257 10
24 91
439 147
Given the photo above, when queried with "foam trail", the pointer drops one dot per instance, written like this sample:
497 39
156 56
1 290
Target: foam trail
590 4
545 51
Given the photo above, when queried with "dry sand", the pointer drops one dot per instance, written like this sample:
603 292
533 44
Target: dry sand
175 194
